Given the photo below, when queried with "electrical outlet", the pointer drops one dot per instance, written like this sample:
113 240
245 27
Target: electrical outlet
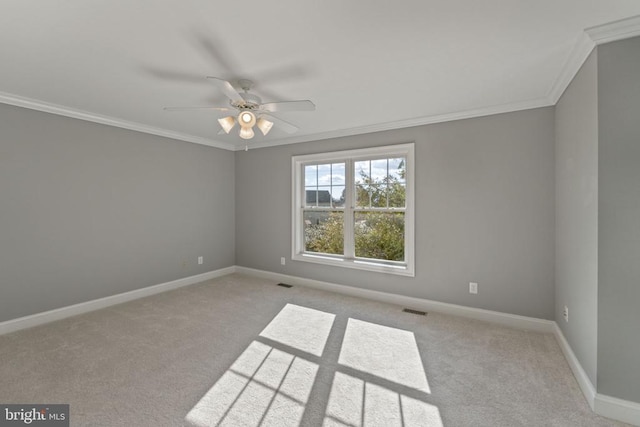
200 260
473 288
565 313
283 261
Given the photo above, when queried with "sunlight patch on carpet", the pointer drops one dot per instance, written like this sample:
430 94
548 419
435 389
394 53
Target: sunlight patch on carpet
385 352
354 402
302 328
270 383
265 386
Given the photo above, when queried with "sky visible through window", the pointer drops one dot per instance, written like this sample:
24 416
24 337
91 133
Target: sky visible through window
331 177
326 177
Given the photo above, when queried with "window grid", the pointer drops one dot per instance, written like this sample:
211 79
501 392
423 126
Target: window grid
349 164
317 187
382 179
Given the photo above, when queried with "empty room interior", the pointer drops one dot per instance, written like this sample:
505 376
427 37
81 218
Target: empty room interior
418 213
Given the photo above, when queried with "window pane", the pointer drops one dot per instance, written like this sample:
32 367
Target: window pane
311 196
397 195
379 235
362 172
397 170
324 196
324 232
337 174
310 175
378 195
362 196
338 195
379 171
324 174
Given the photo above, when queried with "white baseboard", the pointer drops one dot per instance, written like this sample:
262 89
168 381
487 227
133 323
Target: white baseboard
584 382
618 409
512 320
606 406
73 310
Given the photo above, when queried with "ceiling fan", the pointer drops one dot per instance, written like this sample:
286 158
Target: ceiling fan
248 110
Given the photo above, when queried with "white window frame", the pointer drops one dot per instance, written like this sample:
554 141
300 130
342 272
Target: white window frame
407 268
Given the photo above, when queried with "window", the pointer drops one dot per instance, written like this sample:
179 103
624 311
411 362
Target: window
355 209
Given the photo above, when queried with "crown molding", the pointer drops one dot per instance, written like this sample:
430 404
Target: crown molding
33 104
616 30
400 124
579 54
588 40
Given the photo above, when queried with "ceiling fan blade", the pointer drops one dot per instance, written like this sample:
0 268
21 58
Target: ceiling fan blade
173 75
228 89
198 108
303 105
282 124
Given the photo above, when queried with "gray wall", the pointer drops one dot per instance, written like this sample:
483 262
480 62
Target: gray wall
484 212
619 219
577 214
89 211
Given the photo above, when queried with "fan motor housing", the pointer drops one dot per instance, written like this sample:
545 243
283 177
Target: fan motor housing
251 102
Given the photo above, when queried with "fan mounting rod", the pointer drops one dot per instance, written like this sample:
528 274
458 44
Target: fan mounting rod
245 84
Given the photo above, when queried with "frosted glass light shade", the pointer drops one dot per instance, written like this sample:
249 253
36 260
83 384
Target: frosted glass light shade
264 125
227 123
246 132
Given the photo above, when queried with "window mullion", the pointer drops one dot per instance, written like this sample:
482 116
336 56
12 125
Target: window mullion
299 190
349 245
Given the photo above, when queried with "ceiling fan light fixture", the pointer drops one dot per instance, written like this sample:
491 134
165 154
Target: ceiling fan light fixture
227 123
246 119
264 125
247 106
246 132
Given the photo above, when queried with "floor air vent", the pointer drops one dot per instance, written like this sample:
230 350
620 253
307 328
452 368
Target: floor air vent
284 285
408 310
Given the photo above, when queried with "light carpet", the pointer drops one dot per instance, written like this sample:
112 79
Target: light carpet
241 351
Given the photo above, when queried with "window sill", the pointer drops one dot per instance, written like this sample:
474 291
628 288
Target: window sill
400 270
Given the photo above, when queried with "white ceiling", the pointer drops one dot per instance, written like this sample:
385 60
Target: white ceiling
367 64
